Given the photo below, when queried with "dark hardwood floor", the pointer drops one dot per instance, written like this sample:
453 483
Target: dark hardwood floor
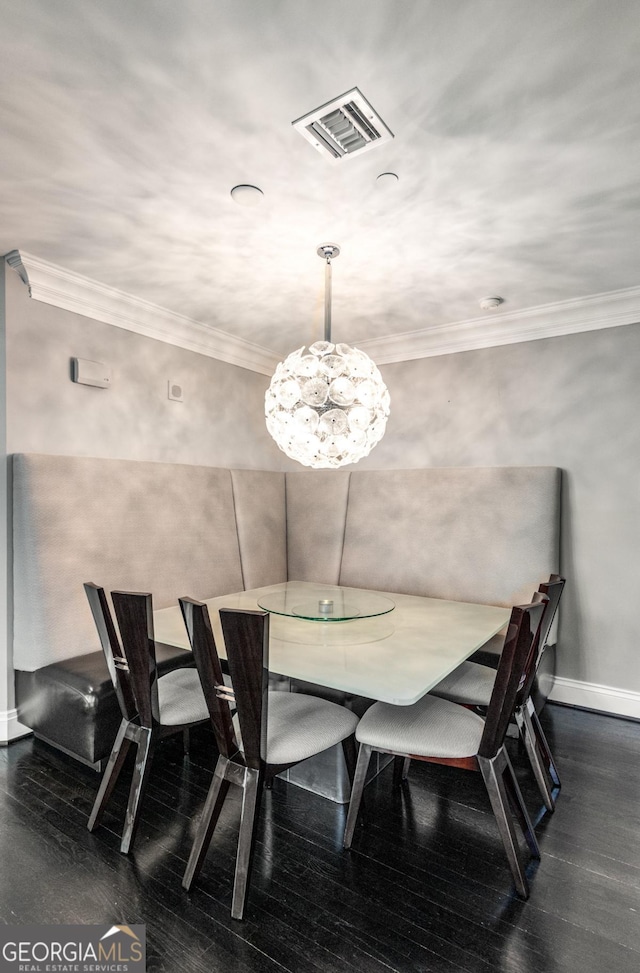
425 888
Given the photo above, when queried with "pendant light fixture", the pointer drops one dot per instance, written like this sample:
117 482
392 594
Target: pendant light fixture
327 406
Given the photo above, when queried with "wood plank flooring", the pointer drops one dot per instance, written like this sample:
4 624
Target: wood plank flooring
425 888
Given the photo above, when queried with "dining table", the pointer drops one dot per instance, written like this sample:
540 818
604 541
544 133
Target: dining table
376 645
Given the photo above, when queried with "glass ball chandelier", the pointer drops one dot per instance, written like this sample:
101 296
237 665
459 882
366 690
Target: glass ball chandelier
327 406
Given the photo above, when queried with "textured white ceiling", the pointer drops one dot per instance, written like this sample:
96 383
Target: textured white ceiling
125 125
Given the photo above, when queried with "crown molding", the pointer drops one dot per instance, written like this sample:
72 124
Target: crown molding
62 288
599 311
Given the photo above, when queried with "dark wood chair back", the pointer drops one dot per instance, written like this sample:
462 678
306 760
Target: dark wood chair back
516 662
246 639
131 659
134 614
218 696
552 590
113 653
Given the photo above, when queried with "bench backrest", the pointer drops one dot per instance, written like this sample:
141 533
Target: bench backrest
467 534
135 526
485 535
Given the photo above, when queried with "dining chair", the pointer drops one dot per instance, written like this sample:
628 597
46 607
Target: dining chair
489 653
152 706
272 730
439 731
471 684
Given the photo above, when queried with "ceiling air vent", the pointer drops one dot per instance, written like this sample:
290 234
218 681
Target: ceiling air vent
344 127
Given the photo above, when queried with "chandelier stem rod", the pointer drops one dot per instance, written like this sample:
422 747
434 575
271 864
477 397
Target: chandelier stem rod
327 300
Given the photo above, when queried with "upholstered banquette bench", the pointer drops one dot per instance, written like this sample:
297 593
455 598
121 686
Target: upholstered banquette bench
485 535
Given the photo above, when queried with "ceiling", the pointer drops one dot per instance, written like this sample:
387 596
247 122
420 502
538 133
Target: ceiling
125 125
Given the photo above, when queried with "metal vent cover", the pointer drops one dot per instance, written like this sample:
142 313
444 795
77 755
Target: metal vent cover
344 127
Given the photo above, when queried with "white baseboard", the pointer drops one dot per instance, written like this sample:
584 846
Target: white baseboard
606 699
10 728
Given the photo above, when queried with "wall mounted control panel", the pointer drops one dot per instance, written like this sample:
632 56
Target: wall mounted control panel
87 372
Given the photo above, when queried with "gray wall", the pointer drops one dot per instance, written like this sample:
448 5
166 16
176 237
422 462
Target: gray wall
572 402
219 423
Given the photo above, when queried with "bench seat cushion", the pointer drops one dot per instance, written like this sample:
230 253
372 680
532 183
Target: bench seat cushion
72 703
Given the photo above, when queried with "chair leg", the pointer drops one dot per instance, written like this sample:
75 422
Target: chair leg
528 738
211 812
110 776
185 740
400 770
248 821
144 757
493 772
364 757
542 743
520 808
350 752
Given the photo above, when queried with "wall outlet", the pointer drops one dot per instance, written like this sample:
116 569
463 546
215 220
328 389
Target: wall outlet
175 391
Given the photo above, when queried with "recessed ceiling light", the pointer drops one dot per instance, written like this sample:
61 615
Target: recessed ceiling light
387 180
245 195
487 303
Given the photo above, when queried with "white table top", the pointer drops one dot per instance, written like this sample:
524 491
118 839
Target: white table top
396 658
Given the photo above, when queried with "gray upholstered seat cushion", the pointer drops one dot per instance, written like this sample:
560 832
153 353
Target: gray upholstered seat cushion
470 683
431 727
299 726
180 698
